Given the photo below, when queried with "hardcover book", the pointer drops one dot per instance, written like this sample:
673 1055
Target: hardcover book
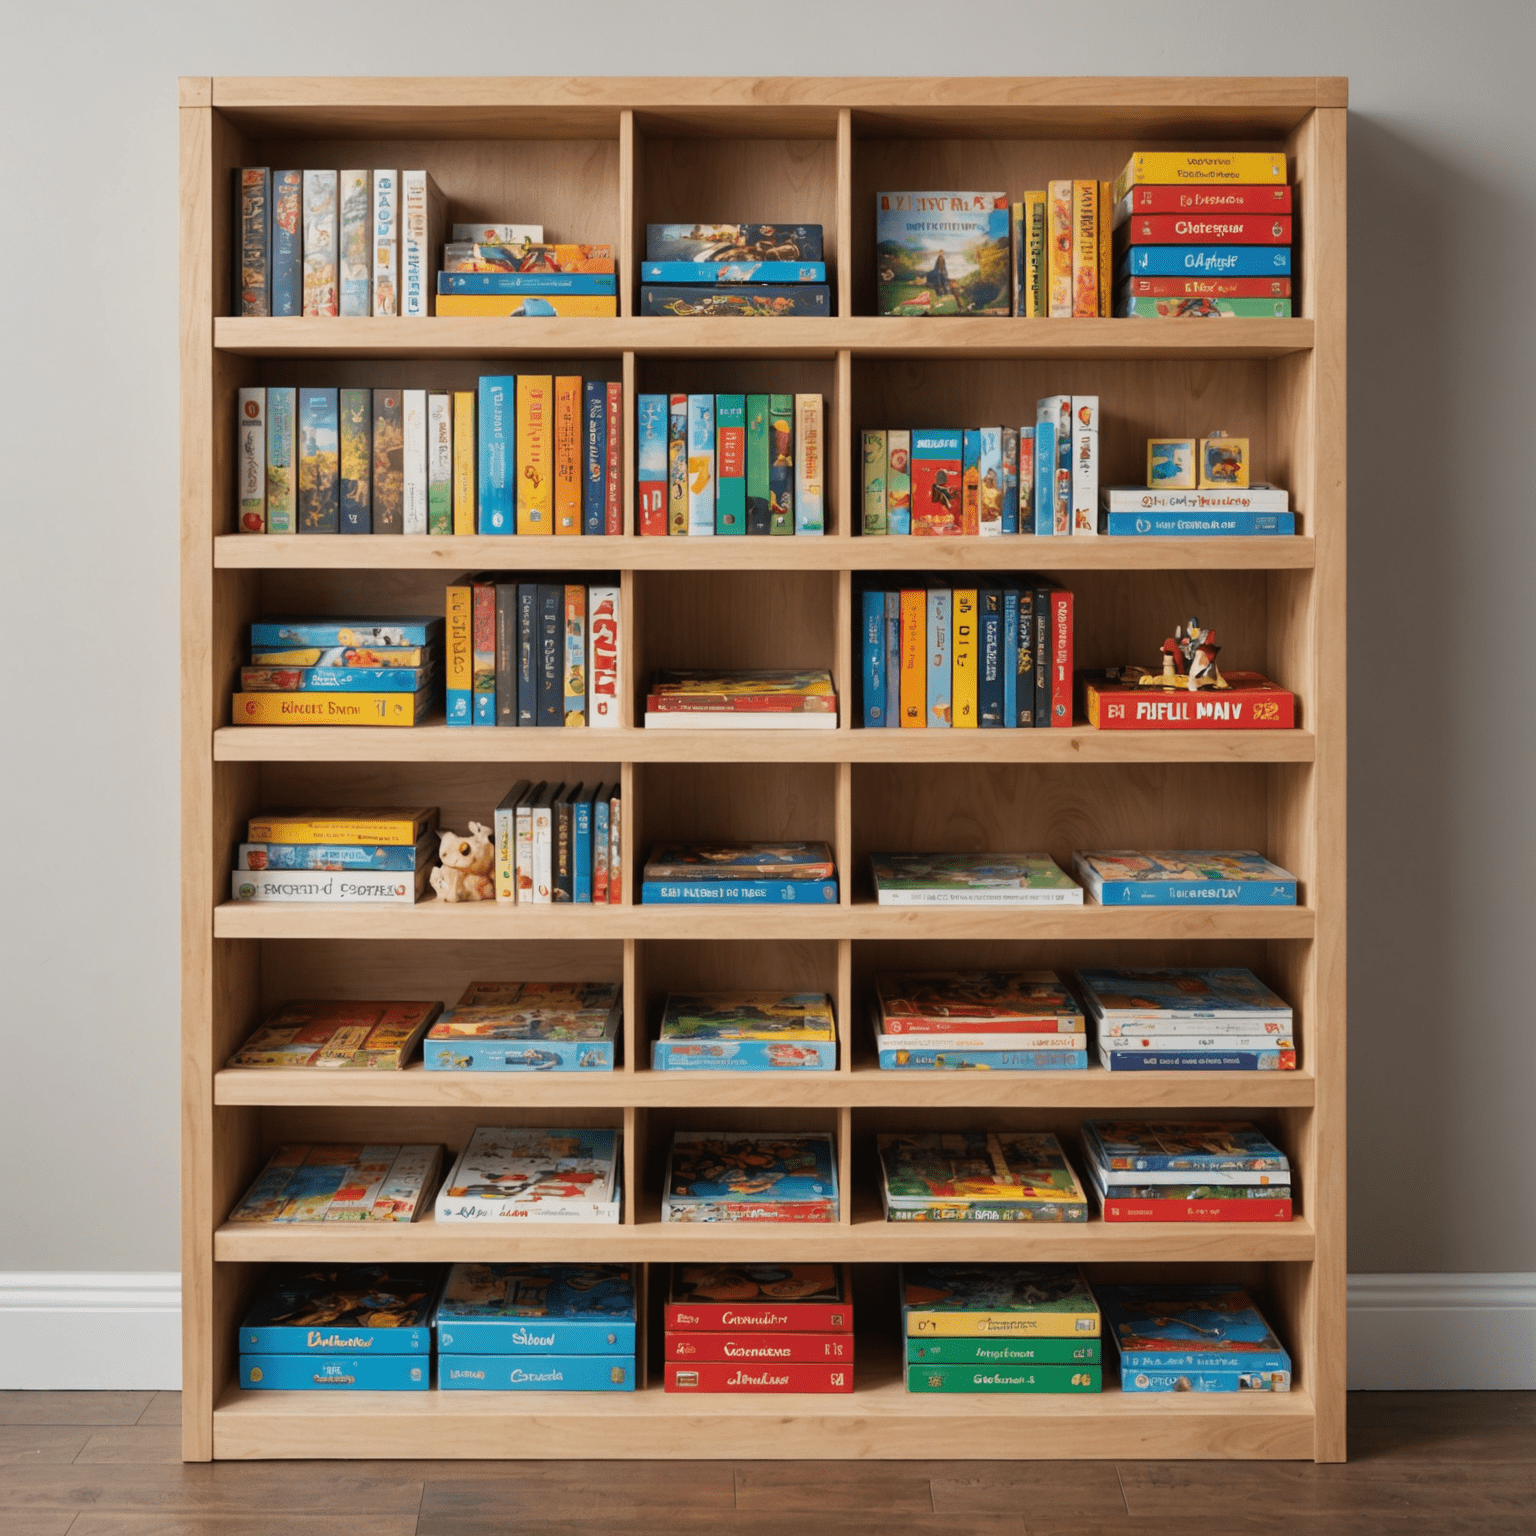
354 1309
978 1175
534 1174
380 1036
972 879
353 887
993 1301
320 236
335 856
758 1376
273 631
943 253
718 1176
1193 877
521 1309
341 1182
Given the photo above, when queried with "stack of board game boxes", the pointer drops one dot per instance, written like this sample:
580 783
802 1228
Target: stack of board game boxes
1203 234
346 1181
1192 1338
943 653
731 464
972 880
532 653
759 1328
1000 1328
757 700
978 1020
537 1328
748 270
746 1032
528 1026
721 1176
535 1174
1170 1020
743 874
509 271
1186 1170
320 671
978 1176
355 856
378 1037
341 1328
559 842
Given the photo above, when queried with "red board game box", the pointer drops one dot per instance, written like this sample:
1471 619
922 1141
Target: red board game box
758 1377
790 1298
1216 198
752 1348
1252 703
1195 1210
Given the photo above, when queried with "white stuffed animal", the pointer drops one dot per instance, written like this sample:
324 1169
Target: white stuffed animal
464 872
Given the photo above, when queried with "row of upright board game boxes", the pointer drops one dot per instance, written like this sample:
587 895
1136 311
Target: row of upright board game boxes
776 1328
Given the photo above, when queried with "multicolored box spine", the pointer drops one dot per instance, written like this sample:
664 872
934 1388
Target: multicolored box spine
253 241
320 239
594 415
355 425
251 461
319 461
810 463
1021 1377
386 243
388 513
353 252
335 1373
498 454
701 466
421 221
439 463
651 464
731 464
535 1373
287 244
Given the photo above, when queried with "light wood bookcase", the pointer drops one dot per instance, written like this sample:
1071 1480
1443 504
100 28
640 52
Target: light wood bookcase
595 160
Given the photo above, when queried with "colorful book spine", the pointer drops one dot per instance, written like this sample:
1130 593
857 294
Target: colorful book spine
970 482
615 848
1009 660
989 482
731 464
810 465
936 493
819 893
388 462
1085 250
1026 479
282 458
989 1351
413 459
1206 229
253 241
1106 250
873 484
421 206
1059 251
874 659
677 464
1043 453
594 415
693 272
567 456
778 1376
514 306
251 461
574 667
386 243
757 490
939 658
354 263
989 658
506 655
892 660
536 1336
1232 309
1052 1379
781 464
1241 1378
535 1373
535 454
287 243
589 284
1194 198
1061 657
964 670
603 658
651 464
701 465
1206 287
319 489
319 243
914 659
1115 1208
335 1373
1197 1061
742 1056
1034 279
613 478
1041 608
504 827
1171 168
735 300
527 653
439 463
1008 450
898 482
1206 261
483 635
498 454
936 1057
740 1345
1085 464
600 846
1062 521
355 425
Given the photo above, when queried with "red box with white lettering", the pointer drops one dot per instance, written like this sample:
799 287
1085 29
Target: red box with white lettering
1250 703
758 1377
754 1347
759 1298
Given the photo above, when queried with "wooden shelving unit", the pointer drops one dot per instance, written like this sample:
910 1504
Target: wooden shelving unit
598 159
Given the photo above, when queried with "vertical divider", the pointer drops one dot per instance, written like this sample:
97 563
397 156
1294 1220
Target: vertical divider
633 1130
844 212
629 212
842 650
641 1277
845 1166
846 513
627 841
844 1002
842 832
630 518
627 659
632 982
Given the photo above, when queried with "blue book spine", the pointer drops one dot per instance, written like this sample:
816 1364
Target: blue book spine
732 272
1010 479
892 660
292 634
1203 1380
1180 893
989 671
905 1059
321 856
496 423
1045 477
581 848
1198 525
874 659
527 653
335 1341
335 1373
1010 658
365 679
536 1373
744 1055
939 648
599 834
1203 1361
594 460
287 242
526 282
478 1055
1193 1061
535 1336
755 893
1206 261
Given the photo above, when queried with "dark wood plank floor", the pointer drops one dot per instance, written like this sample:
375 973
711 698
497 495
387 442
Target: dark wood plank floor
1423 1464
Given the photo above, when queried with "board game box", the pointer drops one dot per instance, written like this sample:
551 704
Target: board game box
379 1036
978 1175
536 1174
967 1301
1168 1330
341 1182
750 1176
746 1031
750 1347
536 1373
986 1350
972 879
967 1002
733 242
1183 1151
1250 702
943 253
1004 1378
756 691
351 1309
759 1376
756 861
335 1373
558 1309
1184 877
1134 998
790 1298
529 1026
740 301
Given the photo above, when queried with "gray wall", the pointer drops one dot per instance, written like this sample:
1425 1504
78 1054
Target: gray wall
1443 193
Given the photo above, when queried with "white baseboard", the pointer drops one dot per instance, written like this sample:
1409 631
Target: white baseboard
86 1332
90 1332
1438 1333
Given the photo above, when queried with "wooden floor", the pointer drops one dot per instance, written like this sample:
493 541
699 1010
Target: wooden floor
1423 1464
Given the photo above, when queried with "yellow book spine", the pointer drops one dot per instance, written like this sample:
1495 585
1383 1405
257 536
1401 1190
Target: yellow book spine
1201 168
362 832
459 641
502 306
1059 250
963 666
1085 249
914 659
464 461
567 456
1002 1325
327 708
1106 251
535 454
1035 298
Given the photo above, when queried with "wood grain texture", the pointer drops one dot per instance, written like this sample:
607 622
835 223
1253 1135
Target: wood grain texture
44 1445
72 1408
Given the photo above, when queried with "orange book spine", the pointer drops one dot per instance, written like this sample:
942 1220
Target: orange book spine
1106 251
1059 269
914 661
567 456
1085 249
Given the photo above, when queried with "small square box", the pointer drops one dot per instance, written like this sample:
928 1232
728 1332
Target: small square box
1223 463
1170 463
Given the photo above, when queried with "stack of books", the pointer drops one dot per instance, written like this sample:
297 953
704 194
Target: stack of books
1183 877
334 671
536 1174
379 1037
1186 1170
347 1181
508 270
341 1328
532 653
1168 1020
730 464
943 253
751 701
1192 1338
941 653
750 1176
746 1032
537 1328
759 1328
978 1021
1143 512
691 874
355 856
348 243
972 880
747 270
999 1328
528 1026
1061 251
978 1176
1203 234
559 842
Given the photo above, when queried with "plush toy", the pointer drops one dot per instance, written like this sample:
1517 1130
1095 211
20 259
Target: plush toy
464 872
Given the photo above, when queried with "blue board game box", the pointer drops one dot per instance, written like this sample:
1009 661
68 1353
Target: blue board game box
1184 877
927 1059
556 1309
743 1055
348 1309
1197 525
1178 1335
282 631
471 1055
336 1373
536 1373
1206 261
